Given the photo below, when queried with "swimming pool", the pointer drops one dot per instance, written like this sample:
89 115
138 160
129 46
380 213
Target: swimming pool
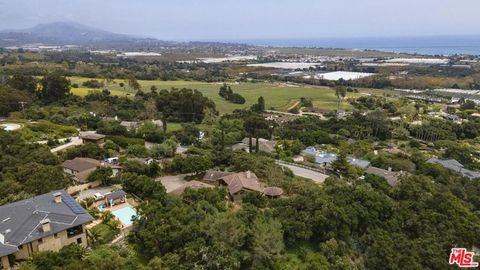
125 215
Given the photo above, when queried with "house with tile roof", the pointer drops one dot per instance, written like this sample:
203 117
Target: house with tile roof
46 222
236 183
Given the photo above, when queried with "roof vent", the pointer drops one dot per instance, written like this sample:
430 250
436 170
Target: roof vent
45 225
57 196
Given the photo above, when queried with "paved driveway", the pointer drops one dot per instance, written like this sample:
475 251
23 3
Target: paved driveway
172 182
306 173
73 141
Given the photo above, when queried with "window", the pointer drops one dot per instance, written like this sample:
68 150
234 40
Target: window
40 240
55 235
74 231
79 240
20 247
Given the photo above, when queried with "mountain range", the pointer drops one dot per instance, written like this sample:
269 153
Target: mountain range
67 33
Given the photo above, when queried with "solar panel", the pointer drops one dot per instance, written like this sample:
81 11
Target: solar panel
73 205
54 217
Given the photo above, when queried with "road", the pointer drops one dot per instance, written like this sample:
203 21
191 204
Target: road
306 173
73 142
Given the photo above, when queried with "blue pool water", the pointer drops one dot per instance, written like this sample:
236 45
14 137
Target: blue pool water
125 215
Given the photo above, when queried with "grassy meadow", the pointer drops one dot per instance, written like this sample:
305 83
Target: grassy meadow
278 96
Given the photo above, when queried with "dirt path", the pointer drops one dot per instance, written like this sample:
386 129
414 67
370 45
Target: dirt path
294 105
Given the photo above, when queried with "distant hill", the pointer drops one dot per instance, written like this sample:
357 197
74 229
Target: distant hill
64 33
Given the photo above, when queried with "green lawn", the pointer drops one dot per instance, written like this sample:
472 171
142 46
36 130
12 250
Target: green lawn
276 96
174 127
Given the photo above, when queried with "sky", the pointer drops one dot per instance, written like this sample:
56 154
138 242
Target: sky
252 19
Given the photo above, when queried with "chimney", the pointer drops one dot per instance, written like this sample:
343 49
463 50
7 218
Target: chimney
249 174
45 225
57 196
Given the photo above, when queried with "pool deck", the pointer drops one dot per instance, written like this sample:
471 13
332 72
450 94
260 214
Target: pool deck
129 203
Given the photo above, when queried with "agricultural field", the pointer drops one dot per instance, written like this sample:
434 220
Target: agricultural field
277 96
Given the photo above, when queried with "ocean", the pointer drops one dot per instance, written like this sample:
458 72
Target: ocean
432 45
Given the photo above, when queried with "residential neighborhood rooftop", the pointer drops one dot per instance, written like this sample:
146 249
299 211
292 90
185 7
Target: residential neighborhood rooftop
92 136
21 222
454 165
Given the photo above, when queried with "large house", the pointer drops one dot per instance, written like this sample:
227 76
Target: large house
46 222
324 158
237 183
81 168
454 165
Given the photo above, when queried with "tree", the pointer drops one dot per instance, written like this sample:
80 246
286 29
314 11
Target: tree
12 100
340 93
341 164
259 107
256 126
92 84
267 242
379 123
88 150
165 149
197 164
133 83
227 93
151 108
143 187
102 174
151 132
54 87
39 179
23 82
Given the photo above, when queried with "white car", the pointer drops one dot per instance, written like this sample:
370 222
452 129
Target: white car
98 196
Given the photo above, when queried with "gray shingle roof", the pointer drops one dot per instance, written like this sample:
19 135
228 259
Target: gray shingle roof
115 195
20 222
390 176
452 164
322 157
80 164
6 250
